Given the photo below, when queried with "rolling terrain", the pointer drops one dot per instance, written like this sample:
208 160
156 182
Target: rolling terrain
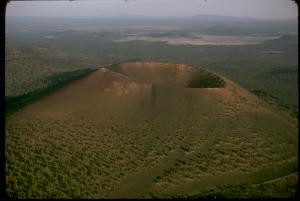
259 55
144 130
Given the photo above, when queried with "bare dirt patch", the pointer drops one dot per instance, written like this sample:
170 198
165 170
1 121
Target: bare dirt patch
202 40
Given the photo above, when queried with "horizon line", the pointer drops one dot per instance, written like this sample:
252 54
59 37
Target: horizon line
147 16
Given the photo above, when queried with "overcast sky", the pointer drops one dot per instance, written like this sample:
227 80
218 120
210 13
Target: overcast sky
268 9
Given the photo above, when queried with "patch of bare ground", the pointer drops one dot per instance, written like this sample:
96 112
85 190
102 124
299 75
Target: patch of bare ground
202 40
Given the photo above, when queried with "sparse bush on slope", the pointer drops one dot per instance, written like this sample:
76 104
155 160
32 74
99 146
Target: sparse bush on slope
13 103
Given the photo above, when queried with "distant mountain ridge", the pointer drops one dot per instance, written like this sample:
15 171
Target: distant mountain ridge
223 18
204 17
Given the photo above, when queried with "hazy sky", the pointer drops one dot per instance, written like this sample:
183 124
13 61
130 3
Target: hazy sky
241 8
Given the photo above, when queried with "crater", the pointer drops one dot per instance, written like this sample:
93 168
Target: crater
168 74
206 80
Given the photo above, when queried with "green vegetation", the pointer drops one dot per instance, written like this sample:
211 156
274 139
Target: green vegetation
285 187
56 81
277 103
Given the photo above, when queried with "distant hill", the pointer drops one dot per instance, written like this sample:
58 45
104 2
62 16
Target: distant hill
221 29
222 18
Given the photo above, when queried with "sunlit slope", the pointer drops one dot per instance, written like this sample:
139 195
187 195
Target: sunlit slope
142 130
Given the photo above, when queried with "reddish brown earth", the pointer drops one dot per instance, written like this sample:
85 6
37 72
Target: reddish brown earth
141 131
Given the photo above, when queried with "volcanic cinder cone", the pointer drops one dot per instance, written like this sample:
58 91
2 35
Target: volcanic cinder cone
140 129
